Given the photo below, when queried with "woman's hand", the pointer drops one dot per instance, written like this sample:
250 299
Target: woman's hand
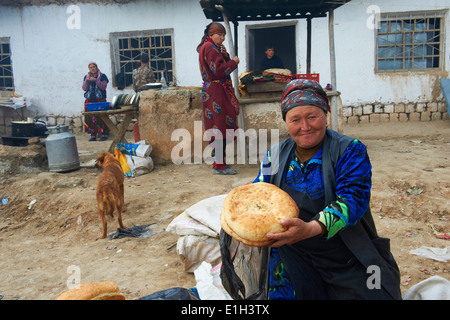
236 59
297 230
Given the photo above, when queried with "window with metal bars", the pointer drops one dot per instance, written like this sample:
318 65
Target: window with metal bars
410 41
6 74
127 48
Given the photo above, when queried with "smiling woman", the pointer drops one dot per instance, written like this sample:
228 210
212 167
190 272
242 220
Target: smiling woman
328 175
307 126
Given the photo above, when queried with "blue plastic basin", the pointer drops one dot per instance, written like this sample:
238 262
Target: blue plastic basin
97 106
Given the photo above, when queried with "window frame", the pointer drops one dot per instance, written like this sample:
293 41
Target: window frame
6 41
402 17
115 37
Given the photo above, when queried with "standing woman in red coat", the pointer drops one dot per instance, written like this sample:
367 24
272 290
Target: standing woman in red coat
220 105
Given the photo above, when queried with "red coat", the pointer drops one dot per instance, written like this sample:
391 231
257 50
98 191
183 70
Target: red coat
220 105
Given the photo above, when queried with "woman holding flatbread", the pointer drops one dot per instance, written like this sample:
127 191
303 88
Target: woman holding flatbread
332 250
220 105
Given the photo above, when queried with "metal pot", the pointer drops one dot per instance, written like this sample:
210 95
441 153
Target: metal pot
28 129
22 129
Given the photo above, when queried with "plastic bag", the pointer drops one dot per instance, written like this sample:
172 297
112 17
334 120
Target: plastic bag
20 102
437 254
134 158
176 293
134 232
245 269
209 285
125 162
140 149
142 165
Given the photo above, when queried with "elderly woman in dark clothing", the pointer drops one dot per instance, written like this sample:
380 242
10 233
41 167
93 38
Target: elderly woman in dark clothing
94 85
332 250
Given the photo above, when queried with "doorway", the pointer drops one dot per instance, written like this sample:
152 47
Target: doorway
280 36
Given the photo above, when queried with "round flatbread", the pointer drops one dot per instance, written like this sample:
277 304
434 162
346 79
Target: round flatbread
230 232
284 72
251 211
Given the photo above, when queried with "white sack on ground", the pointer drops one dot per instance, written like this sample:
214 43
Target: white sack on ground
199 229
193 250
433 288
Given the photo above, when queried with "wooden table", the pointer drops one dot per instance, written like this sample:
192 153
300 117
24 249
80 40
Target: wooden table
118 132
16 108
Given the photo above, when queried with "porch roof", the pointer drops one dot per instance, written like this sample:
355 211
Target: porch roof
254 10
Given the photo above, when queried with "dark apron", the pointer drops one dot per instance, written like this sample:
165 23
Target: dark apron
335 268
318 268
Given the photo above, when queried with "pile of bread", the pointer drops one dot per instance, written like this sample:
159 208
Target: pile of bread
253 210
280 75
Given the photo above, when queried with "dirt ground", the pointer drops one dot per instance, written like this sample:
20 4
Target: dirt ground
41 245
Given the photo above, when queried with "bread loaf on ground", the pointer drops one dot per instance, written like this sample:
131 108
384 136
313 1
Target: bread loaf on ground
93 291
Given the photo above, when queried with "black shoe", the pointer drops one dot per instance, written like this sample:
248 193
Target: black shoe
104 138
92 138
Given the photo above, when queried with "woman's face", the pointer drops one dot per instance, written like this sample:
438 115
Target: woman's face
306 125
218 38
92 68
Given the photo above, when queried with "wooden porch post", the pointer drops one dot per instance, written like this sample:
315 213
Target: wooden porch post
308 45
235 78
336 107
235 74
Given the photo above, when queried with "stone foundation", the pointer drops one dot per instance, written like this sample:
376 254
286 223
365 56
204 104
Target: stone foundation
401 112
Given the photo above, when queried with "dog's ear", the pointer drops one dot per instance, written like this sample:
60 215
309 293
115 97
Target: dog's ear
100 159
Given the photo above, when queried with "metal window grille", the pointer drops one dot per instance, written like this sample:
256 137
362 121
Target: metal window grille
6 74
157 44
410 42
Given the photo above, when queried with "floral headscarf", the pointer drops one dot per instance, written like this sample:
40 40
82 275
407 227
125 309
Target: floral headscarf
301 92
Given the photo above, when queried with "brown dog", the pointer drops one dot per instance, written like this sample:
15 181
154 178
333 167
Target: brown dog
110 191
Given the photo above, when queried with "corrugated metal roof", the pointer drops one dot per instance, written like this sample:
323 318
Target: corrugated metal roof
24 3
253 10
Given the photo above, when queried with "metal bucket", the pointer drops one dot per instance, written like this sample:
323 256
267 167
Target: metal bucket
62 152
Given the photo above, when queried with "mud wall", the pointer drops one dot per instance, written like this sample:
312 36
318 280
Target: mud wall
167 118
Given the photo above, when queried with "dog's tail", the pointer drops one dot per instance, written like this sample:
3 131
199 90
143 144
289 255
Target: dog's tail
110 204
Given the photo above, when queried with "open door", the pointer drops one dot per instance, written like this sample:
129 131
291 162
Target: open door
280 36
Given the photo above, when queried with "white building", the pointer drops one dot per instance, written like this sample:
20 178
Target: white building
381 64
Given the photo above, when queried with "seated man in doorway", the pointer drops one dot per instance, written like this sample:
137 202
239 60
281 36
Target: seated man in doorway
271 60
143 74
